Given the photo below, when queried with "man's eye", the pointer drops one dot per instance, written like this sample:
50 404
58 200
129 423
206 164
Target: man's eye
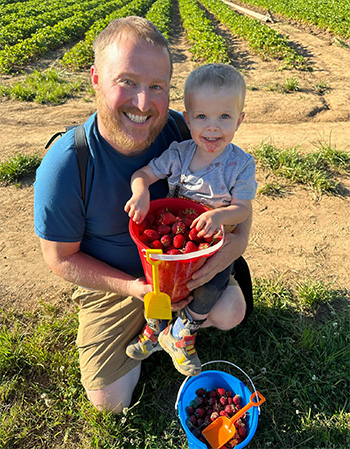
128 82
156 87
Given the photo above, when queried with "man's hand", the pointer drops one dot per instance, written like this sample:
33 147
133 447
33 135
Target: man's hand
181 304
138 288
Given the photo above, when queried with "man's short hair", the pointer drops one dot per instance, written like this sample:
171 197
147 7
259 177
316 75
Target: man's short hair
133 26
216 76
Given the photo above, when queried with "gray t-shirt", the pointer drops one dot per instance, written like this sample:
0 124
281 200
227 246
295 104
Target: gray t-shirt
230 175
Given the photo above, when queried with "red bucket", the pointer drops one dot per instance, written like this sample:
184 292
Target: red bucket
175 270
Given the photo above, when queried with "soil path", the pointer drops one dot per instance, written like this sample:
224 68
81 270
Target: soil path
295 236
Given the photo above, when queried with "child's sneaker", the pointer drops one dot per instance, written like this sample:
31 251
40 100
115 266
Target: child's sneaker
182 349
146 343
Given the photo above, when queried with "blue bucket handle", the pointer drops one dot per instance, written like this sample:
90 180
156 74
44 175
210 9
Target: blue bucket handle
219 361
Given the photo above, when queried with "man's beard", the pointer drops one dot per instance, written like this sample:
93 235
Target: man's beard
119 138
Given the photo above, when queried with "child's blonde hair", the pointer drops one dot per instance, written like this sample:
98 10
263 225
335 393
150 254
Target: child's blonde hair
216 76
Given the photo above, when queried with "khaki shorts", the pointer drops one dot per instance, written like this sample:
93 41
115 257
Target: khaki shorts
107 323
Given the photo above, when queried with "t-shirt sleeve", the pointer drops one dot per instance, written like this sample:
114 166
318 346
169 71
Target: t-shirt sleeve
245 185
166 163
58 207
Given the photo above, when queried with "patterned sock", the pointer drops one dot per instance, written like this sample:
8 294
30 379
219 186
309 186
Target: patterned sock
178 325
157 326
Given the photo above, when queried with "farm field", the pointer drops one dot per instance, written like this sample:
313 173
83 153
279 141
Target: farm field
301 102
314 228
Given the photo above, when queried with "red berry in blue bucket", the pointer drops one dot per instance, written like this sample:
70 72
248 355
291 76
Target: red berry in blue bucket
207 406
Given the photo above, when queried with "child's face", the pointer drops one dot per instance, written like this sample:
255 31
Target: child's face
213 118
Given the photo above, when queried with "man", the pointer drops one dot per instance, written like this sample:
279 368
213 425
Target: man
87 243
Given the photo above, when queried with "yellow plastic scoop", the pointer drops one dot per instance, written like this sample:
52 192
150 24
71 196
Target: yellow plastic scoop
157 304
220 431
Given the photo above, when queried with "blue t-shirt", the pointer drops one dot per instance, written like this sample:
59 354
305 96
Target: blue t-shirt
101 224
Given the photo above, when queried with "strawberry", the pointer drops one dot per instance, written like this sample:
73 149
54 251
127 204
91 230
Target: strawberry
228 409
178 240
237 399
156 244
166 240
200 392
200 412
221 391
212 394
193 235
167 218
142 226
151 235
178 227
203 246
187 221
214 416
173 251
223 400
190 247
150 220
242 431
163 229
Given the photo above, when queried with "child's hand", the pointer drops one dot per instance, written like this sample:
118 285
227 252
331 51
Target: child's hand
137 207
207 224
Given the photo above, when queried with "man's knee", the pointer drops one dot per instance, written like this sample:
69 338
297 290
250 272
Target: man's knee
114 397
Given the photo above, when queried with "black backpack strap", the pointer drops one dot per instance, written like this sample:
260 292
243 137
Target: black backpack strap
181 124
82 152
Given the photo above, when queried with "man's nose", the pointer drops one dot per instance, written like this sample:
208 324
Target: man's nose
142 99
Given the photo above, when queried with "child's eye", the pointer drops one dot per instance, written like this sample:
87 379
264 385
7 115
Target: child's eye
225 116
201 116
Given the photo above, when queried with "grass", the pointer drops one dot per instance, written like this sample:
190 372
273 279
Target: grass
18 167
316 170
295 349
47 87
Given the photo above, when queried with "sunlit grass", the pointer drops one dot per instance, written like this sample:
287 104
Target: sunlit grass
294 349
47 87
315 170
18 167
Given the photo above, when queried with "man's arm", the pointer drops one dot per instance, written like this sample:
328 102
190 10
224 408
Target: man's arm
67 261
234 246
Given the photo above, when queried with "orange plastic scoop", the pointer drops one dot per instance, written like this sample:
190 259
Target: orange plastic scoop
220 431
157 304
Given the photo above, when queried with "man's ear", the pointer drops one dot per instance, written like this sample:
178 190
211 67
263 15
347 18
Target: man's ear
94 76
240 120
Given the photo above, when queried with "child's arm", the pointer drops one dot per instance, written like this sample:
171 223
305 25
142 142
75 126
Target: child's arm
138 205
209 222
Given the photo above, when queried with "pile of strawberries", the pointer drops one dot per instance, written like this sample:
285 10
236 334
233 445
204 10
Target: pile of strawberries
208 406
171 232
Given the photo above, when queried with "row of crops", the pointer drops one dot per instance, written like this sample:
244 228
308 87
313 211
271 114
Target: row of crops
29 29
332 15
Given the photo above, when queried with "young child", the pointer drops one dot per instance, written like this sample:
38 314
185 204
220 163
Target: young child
209 169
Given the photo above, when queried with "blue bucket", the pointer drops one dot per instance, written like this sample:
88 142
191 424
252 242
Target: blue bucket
211 380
